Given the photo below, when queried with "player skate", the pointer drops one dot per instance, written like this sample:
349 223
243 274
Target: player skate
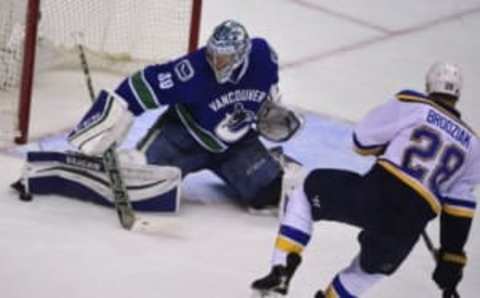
427 162
275 284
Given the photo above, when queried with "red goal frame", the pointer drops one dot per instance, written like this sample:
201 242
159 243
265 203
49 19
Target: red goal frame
27 76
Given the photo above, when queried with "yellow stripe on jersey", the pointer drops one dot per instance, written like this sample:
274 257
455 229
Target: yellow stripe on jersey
370 151
458 211
288 245
426 194
418 99
331 292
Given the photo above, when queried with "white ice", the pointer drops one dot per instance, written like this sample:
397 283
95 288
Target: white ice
339 58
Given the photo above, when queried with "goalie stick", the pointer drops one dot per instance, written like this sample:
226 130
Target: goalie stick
447 293
121 200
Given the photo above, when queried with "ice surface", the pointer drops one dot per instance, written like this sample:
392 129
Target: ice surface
339 58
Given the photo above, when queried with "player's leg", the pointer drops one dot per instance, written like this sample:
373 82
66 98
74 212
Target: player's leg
169 143
325 194
293 175
48 172
321 194
393 217
251 171
334 195
380 256
374 201
296 227
151 188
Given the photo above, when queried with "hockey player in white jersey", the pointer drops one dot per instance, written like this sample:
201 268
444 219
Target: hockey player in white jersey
428 163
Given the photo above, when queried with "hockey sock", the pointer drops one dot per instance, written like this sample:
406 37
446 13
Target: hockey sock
352 281
296 228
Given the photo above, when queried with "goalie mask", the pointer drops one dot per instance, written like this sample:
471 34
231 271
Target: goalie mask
444 78
227 50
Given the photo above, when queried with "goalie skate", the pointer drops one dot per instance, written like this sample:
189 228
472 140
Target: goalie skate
20 188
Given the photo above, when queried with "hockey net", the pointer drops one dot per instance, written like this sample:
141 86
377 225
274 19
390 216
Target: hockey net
119 36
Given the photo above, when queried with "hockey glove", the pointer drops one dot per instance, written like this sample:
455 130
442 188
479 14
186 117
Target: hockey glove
107 122
276 122
449 269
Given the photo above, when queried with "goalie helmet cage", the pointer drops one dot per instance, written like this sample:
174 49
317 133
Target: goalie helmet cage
118 35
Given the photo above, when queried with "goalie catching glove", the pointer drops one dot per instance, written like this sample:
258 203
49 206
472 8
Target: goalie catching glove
107 122
276 122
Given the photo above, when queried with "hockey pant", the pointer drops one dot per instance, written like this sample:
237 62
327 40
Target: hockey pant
150 187
390 214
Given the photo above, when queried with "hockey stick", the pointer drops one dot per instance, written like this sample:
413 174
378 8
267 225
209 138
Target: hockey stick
447 293
429 244
121 199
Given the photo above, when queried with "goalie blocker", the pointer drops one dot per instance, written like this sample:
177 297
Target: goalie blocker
151 187
107 122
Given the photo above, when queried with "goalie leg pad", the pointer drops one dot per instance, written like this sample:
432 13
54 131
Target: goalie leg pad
247 167
151 188
168 143
277 192
268 195
293 176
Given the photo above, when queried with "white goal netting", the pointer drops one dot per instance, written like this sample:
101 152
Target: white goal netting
118 35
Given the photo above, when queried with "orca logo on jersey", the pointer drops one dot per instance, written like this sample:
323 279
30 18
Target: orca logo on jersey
184 70
236 124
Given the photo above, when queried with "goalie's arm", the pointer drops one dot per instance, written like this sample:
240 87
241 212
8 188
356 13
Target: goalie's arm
106 122
158 85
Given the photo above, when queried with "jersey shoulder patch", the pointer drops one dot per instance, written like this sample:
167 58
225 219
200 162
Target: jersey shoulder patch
184 70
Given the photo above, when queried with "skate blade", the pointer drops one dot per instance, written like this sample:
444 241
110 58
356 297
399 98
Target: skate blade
265 294
270 212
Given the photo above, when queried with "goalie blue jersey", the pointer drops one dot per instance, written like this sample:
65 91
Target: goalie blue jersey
216 115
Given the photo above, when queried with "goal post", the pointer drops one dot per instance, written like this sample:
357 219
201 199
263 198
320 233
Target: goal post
28 65
119 36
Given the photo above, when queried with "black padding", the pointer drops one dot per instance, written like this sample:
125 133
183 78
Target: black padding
382 253
268 195
328 190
